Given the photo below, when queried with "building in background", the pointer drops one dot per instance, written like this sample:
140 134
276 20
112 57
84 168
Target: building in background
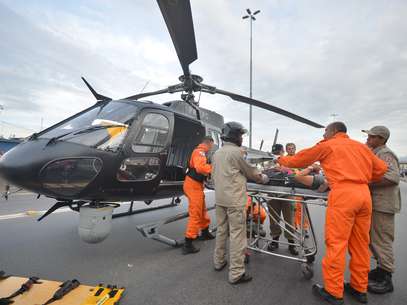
403 166
7 144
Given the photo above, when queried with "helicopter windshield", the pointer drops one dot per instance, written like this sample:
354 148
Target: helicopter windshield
103 127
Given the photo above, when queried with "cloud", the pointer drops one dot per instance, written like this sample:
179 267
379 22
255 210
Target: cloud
347 58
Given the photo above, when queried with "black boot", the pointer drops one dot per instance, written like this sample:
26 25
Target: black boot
375 274
361 297
320 292
291 248
206 235
189 247
383 284
244 278
274 244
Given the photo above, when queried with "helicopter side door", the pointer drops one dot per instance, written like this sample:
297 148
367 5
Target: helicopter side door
187 134
147 148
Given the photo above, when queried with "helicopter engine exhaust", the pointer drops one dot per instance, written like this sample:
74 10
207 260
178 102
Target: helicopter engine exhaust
95 222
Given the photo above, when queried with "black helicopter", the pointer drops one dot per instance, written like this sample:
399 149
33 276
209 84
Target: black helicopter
127 149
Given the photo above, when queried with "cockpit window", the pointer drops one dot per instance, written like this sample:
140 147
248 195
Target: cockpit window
103 127
153 134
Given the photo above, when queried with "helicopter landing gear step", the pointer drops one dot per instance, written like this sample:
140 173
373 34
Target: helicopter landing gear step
174 202
151 230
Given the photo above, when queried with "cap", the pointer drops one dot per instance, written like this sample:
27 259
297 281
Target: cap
381 131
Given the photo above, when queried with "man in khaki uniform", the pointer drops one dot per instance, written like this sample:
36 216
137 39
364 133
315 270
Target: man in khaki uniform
282 207
229 173
386 202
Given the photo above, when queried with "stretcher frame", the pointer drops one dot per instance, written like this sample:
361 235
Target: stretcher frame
308 248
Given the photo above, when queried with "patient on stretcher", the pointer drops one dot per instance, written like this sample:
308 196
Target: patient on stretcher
308 178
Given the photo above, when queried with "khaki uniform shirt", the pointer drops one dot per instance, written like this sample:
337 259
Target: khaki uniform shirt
387 199
229 173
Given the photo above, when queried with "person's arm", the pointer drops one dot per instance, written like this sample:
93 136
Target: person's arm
305 157
304 179
201 164
250 172
379 169
304 172
391 176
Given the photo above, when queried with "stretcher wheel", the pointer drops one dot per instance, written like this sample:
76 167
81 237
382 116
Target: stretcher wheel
307 271
310 259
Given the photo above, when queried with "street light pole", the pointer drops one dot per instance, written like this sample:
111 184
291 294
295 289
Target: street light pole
252 18
334 116
1 122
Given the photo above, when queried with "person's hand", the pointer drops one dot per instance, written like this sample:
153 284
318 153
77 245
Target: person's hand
265 179
286 170
316 167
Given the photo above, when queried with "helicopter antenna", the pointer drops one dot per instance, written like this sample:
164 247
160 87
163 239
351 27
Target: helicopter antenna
261 144
142 90
275 137
98 96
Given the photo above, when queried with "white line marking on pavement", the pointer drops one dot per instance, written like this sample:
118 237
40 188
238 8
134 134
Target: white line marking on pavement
34 213
31 214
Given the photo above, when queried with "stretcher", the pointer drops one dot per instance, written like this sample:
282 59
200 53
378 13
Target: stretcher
44 292
305 242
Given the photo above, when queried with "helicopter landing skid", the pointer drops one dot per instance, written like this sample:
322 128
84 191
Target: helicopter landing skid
151 230
76 205
174 202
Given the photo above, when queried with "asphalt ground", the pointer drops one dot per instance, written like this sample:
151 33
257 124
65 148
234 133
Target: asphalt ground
154 273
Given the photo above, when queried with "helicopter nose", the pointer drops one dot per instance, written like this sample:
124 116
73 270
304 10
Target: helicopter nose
15 166
62 169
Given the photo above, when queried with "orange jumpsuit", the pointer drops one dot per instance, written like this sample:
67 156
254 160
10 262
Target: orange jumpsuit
348 166
298 214
194 190
256 210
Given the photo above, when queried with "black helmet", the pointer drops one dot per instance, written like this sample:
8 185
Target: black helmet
277 149
232 132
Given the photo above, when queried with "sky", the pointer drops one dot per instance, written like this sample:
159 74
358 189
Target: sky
324 60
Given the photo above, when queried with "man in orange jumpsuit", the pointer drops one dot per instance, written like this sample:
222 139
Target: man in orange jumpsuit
198 170
348 166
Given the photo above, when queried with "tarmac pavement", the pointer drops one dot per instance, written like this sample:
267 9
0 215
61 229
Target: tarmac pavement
154 273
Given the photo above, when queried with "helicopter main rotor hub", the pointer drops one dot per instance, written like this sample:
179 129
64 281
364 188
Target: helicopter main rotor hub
192 77
191 83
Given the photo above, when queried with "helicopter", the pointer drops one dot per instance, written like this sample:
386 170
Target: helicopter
128 149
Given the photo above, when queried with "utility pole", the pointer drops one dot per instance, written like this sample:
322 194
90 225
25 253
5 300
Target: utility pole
252 18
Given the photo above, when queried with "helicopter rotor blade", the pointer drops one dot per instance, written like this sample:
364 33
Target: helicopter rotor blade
171 89
250 101
98 96
141 95
178 18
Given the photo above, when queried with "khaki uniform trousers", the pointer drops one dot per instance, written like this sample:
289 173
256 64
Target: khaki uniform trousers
276 208
231 221
381 239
